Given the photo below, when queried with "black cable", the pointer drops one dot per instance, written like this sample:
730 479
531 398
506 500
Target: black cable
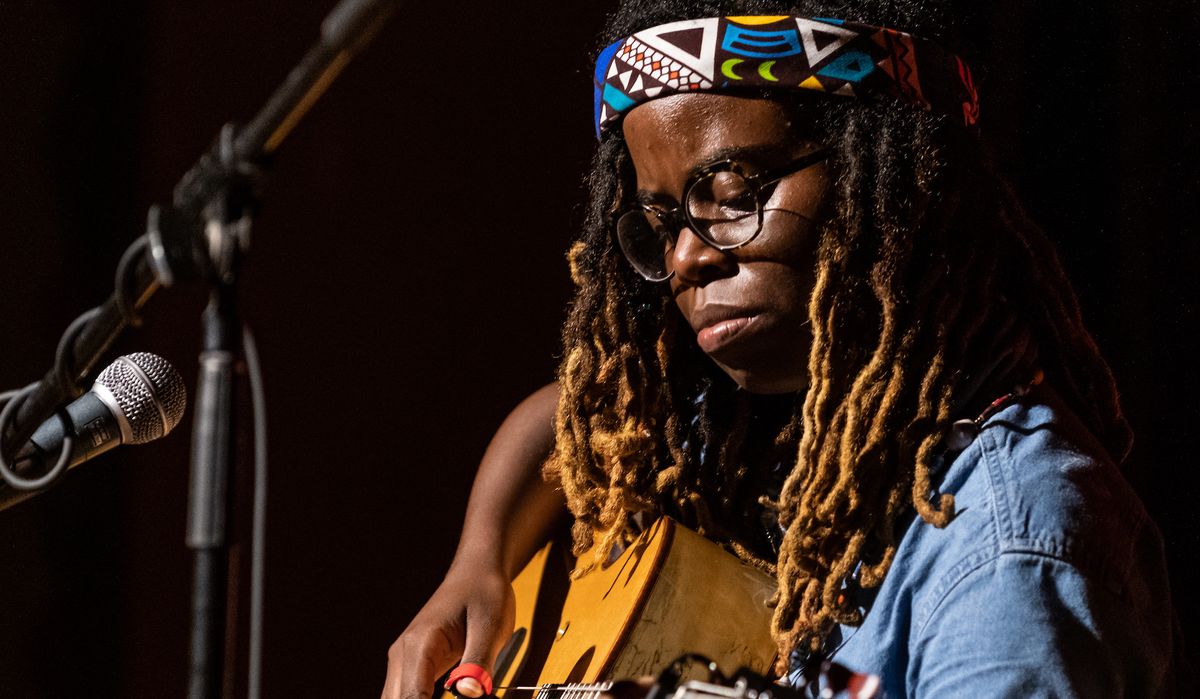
66 376
258 537
65 372
121 287
64 458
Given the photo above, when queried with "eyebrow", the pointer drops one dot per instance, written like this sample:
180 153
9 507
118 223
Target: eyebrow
757 154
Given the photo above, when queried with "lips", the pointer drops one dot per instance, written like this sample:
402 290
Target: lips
714 337
718 326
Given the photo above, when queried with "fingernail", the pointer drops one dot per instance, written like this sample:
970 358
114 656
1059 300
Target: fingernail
469 687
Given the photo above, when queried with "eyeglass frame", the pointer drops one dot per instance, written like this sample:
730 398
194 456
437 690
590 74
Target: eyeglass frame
678 217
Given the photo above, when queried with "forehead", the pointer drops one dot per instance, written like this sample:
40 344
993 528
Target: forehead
669 137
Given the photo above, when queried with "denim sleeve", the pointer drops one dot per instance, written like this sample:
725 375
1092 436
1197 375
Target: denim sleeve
1031 625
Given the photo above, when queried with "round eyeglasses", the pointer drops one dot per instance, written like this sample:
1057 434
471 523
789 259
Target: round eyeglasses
722 203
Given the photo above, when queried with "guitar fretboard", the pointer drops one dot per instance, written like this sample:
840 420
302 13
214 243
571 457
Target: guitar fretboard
564 691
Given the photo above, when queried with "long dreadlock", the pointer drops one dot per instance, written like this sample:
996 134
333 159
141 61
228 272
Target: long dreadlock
930 283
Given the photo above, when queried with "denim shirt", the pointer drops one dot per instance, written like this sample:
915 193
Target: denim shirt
1049 582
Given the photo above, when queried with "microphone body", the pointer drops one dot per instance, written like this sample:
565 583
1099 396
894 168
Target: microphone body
92 426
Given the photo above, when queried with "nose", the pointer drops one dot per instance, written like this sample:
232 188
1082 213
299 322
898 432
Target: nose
696 262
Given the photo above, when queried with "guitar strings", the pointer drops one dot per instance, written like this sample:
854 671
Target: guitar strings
574 691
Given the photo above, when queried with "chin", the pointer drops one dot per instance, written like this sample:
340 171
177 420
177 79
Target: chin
768 357
766 383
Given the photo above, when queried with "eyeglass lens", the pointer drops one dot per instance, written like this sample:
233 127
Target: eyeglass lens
646 242
722 208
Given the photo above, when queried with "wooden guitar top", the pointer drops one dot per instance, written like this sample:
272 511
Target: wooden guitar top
670 592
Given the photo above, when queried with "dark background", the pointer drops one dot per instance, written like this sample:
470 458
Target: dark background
407 282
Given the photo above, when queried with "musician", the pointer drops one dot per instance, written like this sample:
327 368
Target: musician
820 330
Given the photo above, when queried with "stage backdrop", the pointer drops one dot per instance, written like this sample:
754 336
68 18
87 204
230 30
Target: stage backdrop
407 282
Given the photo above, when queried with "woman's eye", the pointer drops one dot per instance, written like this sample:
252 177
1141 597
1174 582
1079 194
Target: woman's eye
742 203
730 192
657 224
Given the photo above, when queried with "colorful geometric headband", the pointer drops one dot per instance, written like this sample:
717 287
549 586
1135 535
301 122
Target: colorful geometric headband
781 52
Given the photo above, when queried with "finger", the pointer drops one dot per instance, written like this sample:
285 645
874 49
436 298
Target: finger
470 687
470 680
486 635
415 663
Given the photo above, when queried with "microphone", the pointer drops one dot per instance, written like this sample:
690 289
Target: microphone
137 399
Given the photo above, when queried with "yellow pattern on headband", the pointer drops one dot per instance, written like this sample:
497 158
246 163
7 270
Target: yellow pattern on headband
757 20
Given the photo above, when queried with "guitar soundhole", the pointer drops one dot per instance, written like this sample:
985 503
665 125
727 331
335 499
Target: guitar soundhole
578 672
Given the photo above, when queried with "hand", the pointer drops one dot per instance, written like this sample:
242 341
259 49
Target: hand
469 617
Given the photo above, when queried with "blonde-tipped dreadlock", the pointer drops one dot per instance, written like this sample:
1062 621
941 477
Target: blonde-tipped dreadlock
931 286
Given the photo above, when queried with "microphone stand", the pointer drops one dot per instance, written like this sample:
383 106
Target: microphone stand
200 236
228 216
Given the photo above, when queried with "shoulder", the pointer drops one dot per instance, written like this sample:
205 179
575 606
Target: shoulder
1050 563
1036 482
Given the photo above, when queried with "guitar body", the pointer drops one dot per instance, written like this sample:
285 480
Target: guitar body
670 592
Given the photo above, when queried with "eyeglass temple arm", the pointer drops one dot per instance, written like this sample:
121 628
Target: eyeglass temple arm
805 161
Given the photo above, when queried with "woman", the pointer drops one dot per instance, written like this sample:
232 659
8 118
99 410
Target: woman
820 331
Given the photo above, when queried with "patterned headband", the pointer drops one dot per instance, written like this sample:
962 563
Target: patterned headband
827 55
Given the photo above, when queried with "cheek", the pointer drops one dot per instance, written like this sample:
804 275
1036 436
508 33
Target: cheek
780 288
783 286
784 260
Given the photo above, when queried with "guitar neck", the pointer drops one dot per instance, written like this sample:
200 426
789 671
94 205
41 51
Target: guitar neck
688 690
563 691
829 680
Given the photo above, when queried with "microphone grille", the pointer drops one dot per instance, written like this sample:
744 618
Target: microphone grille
149 391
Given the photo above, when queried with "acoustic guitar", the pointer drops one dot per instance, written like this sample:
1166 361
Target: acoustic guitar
671 596
670 592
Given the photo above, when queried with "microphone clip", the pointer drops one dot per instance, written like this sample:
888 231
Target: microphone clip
202 232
